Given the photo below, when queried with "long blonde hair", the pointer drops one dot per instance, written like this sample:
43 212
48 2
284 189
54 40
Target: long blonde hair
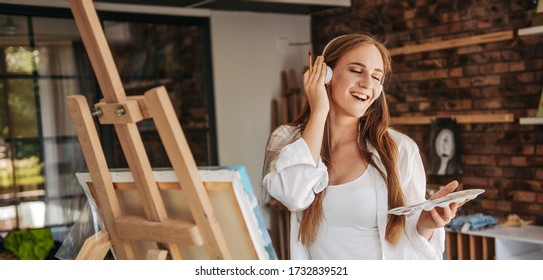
373 131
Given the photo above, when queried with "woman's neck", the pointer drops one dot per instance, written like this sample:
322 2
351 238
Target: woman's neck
343 130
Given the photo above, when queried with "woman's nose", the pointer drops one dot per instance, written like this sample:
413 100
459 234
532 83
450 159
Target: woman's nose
364 81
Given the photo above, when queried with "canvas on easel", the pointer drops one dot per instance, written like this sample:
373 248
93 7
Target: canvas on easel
147 220
230 193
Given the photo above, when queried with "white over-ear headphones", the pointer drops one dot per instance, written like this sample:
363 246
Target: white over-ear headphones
329 71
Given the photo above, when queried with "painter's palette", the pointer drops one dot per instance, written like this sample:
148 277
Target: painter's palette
428 205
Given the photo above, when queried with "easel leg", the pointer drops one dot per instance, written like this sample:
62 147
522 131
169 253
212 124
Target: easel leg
97 165
95 247
160 107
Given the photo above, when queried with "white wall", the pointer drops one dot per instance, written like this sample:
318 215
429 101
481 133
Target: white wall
247 60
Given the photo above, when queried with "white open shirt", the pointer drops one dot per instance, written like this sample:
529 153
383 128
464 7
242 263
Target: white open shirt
293 179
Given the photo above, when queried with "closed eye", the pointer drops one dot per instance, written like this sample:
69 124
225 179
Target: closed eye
362 72
359 68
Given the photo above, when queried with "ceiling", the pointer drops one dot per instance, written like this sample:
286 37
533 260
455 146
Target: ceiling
303 7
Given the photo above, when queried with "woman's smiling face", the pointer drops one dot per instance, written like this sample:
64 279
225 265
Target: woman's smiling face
356 82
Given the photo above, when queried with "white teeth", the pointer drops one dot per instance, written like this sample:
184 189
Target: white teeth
364 97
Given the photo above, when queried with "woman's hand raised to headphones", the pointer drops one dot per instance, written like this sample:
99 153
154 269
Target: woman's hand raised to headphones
315 89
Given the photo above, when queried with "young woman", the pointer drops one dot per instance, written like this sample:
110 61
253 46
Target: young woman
339 167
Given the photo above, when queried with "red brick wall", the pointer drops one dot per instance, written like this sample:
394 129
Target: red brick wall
503 77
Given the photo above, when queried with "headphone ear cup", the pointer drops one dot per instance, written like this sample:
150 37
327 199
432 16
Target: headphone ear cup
328 77
380 90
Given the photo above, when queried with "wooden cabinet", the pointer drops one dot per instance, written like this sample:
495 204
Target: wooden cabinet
512 243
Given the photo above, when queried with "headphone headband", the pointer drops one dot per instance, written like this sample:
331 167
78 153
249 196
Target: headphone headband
329 43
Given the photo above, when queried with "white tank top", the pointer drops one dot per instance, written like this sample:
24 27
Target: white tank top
349 228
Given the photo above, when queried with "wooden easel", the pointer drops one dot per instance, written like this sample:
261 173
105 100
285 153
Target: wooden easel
123 113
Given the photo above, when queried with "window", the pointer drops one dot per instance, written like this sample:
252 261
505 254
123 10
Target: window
41 64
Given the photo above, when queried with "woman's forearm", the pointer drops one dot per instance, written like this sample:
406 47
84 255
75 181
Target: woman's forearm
313 134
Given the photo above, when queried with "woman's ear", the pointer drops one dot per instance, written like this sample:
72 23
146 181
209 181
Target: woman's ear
328 88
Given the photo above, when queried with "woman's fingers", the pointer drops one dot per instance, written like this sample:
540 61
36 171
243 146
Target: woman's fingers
318 69
454 207
314 87
314 80
444 215
448 214
463 202
449 188
438 220
322 73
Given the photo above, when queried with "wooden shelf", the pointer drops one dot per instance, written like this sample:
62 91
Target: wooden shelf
530 31
472 118
531 121
453 43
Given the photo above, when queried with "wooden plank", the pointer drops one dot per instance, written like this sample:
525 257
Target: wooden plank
284 83
453 43
274 115
282 230
292 81
119 113
98 169
463 246
287 232
161 185
469 118
166 231
451 246
488 248
95 247
156 254
284 110
177 148
141 103
295 105
98 50
138 161
475 247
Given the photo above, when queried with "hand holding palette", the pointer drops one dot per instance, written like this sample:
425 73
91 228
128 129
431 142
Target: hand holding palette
428 205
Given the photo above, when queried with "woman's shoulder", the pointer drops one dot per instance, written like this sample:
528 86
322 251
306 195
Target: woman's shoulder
286 129
283 134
